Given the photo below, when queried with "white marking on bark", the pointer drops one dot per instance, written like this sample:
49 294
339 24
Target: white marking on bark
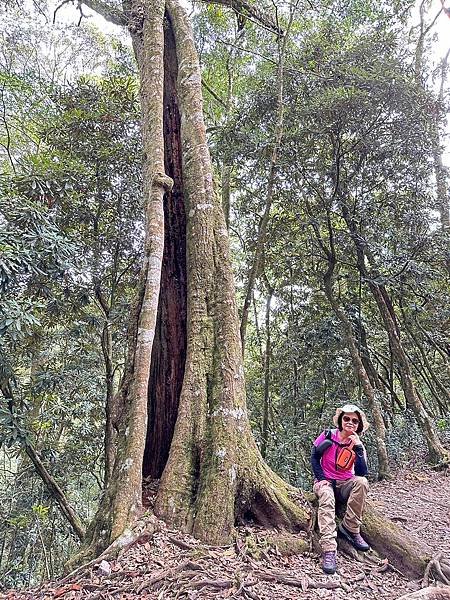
145 336
125 539
191 212
172 504
204 206
232 472
127 431
127 464
221 453
235 413
154 260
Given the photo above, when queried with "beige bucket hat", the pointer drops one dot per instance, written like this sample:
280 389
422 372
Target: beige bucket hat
351 408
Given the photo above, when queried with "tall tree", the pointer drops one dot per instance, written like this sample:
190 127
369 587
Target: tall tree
207 451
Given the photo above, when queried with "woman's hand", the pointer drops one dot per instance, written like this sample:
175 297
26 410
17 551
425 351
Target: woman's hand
355 439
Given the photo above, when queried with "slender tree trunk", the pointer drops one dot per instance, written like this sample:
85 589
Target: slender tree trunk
428 372
376 380
266 371
56 492
371 394
385 307
435 447
52 486
106 345
264 220
227 168
441 172
109 400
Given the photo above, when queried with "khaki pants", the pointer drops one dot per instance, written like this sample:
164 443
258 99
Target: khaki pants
354 492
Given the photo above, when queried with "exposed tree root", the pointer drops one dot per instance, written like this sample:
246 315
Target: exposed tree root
388 539
429 593
443 465
276 504
87 557
441 568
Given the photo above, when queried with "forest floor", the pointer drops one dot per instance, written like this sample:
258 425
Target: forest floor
170 565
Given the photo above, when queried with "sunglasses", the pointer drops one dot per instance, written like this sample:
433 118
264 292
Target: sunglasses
348 419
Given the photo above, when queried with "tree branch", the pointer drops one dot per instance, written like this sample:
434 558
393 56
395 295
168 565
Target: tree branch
246 8
107 11
55 491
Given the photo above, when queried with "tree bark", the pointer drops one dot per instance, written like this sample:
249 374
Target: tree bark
227 168
106 344
169 349
441 172
266 371
122 500
411 557
49 481
213 453
370 393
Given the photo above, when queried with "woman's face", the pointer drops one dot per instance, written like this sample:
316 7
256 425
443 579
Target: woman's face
350 422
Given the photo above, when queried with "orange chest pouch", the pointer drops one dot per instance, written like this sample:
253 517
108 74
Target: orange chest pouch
345 457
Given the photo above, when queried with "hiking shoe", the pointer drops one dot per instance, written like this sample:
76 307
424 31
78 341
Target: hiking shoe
355 539
329 562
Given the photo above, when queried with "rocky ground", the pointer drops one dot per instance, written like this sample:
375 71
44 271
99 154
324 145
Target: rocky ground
168 565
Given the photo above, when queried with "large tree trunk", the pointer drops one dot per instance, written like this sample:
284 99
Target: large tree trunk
193 373
213 453
121 502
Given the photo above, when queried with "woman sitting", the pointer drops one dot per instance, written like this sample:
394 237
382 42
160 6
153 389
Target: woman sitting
339 463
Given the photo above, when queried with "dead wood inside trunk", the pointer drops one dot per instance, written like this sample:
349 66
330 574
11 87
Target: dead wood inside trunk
169 347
